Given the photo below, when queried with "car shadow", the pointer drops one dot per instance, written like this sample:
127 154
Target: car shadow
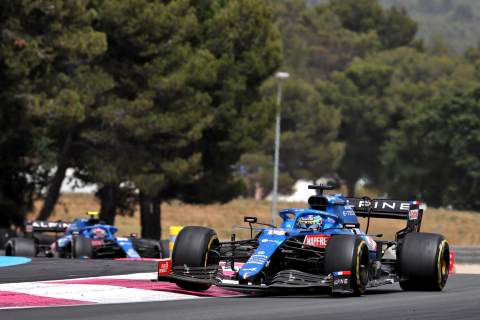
316 294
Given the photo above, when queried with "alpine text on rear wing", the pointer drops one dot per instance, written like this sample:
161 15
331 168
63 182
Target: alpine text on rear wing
46 226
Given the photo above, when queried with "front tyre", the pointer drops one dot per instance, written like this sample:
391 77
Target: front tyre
424 262
193 249
349 253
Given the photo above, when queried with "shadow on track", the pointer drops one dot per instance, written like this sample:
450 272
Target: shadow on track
322 294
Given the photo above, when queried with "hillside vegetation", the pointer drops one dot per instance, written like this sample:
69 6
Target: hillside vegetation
460 227
457 21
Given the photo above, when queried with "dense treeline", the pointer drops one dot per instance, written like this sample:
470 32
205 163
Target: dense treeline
151 100
358 103
449 24
161 100
454 24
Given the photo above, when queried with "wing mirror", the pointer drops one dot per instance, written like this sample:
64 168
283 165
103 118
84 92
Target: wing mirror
250 219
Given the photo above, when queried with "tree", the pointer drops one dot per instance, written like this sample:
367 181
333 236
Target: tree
434 153
359 93
167 107
319 42
183 109
309 146
309 131
44 52
63 86
315 42
16 63
358 15
454 20
394 26
257 171
396 29
376 93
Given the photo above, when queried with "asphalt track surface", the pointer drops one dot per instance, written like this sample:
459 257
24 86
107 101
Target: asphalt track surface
460 299
42 269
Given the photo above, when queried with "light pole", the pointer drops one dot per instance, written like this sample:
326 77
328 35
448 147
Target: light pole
280 76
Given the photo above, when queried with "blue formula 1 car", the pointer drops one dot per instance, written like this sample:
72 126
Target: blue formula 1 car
317 247
83 238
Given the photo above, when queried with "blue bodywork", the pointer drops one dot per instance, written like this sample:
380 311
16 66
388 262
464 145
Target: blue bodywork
335 217
94 230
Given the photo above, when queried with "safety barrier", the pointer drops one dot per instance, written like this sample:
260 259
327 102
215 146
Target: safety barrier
466 254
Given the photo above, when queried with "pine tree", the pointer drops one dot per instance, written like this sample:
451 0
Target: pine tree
62 85
46 51
182 110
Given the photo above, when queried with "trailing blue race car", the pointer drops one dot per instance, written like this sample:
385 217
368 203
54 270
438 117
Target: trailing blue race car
317 247
83 238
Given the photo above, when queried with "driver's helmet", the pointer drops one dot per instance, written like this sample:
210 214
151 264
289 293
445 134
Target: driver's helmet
311 221
99 233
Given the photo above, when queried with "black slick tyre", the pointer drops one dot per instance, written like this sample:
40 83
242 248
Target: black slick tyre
147 248
193 249
349 253
424 262
81 247
22 247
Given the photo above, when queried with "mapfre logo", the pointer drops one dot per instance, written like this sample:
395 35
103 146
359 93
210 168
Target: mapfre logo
316 240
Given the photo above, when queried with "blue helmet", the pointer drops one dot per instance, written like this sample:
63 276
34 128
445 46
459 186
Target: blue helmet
311 221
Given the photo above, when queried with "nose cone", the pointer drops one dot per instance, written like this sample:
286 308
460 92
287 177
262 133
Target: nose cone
269 241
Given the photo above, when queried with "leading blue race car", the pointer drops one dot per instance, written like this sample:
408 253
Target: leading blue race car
83 238
317 247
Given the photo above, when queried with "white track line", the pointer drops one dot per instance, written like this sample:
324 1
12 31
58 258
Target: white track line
92 293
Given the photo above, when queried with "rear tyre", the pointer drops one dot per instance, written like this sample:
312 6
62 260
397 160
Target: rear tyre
193 249
424 262
147 248
61 252
81 248
22 247
349 253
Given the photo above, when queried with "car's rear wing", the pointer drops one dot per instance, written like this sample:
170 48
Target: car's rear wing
382 208
412 211
46 226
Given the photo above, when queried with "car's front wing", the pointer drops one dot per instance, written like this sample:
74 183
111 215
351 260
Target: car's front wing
283 280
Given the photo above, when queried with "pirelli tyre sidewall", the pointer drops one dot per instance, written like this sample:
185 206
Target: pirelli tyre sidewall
193 249
349 253
424 262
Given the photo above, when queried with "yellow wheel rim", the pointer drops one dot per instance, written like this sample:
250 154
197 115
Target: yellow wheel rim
357 273
213 238
441 264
